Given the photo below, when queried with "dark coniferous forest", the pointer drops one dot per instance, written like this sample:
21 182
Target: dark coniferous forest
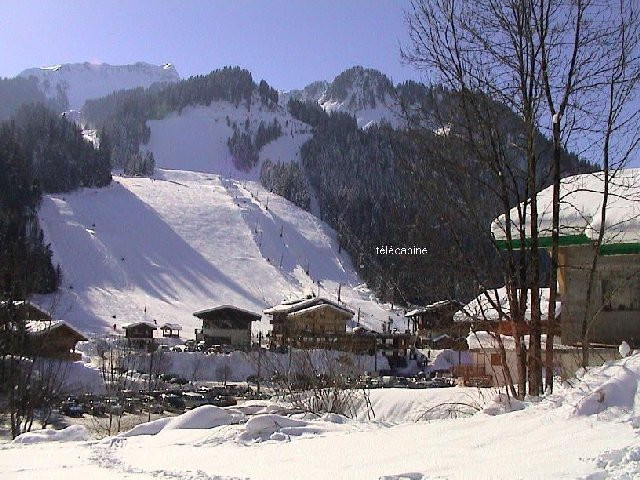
40 152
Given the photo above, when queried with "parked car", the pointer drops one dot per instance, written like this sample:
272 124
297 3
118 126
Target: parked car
194 399
214 349
153 407
113 407
439 382
179 381
224 401
132 405
174 403
97 408
480 382
402 382
71 408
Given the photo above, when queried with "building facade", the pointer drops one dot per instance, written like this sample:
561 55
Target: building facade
226 325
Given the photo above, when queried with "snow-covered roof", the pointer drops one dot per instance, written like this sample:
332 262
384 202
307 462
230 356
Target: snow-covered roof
227 307
493 305
294 306
39 327
482 340
336 308
171 326
581 199
136 324
431 307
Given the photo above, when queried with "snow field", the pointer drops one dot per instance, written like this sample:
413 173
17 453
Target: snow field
163 248
196 138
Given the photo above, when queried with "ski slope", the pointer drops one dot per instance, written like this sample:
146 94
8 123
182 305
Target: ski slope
196 139
162 248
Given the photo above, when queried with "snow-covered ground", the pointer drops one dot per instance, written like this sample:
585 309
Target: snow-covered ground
196 139
185 241
584 431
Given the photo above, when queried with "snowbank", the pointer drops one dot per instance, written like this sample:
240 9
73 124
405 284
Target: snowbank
501 404
207 416
148 428
610 392
597 414
73 433
273 427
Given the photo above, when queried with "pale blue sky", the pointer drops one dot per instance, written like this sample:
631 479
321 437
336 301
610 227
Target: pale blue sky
288 43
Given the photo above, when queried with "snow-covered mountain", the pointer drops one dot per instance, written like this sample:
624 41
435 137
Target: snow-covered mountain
79 82
165 247
203 231
311 93
365 93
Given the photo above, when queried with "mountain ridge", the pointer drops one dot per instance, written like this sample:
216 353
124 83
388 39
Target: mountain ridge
82 81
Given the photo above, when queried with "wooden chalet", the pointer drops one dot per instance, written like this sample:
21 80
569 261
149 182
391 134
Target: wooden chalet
226 325
433 321
171 330
396 346
140 334
31 330
310 323
53 339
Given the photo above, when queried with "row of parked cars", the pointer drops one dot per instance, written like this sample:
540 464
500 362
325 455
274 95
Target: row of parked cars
409 382
193 346
157 401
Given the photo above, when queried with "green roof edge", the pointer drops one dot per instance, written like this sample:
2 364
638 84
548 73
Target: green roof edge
570 240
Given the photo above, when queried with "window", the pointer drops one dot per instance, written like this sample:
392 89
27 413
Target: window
620 294
496 360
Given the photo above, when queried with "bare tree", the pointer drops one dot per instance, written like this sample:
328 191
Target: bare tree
549 62
322 381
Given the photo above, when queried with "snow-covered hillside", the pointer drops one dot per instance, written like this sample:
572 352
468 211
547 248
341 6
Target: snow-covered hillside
196 139
84 81
186 241
311 93
365 93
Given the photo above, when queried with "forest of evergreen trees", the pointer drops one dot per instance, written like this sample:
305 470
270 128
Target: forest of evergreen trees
384 187
287 180
40 152
245 149
18 91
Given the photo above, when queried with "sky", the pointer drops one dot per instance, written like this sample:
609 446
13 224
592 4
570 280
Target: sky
288 43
